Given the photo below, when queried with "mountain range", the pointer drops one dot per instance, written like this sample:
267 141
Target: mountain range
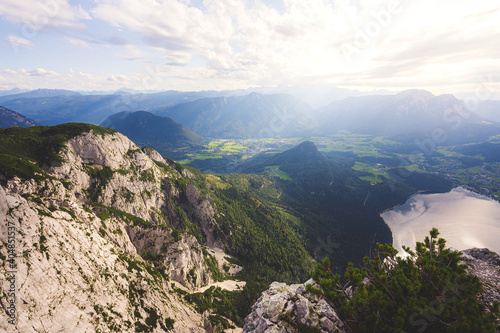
13 91
408 112
57 106
251 116
407 116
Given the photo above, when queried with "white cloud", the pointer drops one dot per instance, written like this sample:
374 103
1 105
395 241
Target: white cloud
36 16
122 79
230 43
42 72
233 37
16 41
9 71
77 42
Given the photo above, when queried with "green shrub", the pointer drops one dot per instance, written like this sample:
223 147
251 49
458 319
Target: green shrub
428 291
169 324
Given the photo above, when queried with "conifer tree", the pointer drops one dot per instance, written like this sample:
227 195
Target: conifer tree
429 290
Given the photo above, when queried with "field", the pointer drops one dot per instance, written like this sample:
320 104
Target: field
276 172
373 157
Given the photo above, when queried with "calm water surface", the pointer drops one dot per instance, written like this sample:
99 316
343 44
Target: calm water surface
465 219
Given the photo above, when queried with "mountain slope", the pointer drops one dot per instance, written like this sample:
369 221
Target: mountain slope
9 118
83 218
407 113
161 133
117 238
250 116
340 211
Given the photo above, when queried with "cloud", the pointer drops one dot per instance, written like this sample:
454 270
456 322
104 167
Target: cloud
35 16
234 36
77 42
119 78
42 72
16 41
9 71
230 43
73 79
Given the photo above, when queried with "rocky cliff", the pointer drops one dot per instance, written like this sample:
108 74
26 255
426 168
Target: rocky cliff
89 245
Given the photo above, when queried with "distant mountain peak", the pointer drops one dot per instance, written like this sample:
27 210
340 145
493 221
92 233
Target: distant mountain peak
305 151
52 92
306 147
411 112
416 93
146 129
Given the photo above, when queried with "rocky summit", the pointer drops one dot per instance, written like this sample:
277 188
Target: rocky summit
290 308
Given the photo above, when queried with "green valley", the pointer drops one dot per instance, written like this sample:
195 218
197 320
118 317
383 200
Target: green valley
373 157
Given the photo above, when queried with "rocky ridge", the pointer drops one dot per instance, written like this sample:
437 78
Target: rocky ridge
283 308
83 233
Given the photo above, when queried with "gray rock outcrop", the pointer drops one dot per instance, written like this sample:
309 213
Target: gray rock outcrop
291 308
485 264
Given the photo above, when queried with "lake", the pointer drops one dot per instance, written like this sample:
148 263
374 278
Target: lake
465 219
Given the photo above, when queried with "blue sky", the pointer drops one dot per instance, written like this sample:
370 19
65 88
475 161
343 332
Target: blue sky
444 46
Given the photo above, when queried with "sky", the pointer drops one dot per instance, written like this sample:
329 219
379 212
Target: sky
444 46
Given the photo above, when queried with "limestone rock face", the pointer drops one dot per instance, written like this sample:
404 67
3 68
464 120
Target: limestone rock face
113 171
182 258
202 210
154 155
69 276
80 237
290 308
